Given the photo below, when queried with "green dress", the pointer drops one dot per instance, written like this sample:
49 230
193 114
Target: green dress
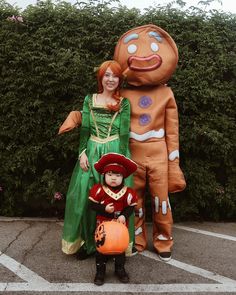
102 131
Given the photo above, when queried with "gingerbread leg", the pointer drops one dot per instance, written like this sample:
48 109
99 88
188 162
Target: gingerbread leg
162 215
139 180
140 227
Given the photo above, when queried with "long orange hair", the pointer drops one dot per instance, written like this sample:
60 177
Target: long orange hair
116 69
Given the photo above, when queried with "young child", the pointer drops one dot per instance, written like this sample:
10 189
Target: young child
113 200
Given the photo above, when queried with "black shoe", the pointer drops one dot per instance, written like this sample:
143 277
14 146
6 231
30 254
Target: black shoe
100 274
122 275
165 256
99 279
82 254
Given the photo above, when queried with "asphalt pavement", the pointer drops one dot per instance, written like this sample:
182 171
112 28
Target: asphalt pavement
31 262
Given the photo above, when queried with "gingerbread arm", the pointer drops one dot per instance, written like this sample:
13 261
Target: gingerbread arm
72 121
172 129
176 181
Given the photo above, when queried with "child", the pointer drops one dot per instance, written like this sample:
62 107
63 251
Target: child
113 200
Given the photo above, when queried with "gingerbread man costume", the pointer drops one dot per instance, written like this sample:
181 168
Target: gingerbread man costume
148 57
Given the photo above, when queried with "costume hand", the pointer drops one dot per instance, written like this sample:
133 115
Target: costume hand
121 219
110 208
84 163
176 181
73 120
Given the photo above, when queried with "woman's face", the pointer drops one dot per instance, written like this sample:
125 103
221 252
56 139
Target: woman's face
110 81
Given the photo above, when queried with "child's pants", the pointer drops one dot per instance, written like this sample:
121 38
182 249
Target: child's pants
102 259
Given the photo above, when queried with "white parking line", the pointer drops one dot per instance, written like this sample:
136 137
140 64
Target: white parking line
20 270
208 233
121 288
192 269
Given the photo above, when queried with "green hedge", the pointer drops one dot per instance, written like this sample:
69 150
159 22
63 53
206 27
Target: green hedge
47 67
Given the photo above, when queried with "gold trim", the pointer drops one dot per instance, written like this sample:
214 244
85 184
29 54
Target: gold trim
81 153
115 196
71 247
128 252
112 120
95 123
104 140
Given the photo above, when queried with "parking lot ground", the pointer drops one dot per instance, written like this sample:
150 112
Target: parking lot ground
31 262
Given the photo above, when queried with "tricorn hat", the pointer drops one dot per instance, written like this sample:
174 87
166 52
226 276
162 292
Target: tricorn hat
116 163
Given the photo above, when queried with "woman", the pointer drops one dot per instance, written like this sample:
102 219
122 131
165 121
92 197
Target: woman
105 128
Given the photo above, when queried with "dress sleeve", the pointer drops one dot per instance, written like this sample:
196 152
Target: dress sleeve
124 126
85 128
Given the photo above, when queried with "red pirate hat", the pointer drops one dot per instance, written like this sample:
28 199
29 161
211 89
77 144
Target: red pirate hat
116 163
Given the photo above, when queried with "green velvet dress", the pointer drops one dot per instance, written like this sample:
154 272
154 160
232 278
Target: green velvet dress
102 131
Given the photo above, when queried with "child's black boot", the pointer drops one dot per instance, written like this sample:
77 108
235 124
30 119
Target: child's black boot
120 268
100 274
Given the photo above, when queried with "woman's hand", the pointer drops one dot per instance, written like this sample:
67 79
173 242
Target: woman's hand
110 208
84 163
121 219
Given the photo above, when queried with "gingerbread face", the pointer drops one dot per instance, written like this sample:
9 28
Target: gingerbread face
147 55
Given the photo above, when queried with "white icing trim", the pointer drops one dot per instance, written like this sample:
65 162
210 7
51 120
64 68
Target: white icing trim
140 212
162 238
173 155
152 133
157 204
138 231
164 207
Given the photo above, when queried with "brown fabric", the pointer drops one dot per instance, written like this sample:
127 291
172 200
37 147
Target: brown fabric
148 57
72 121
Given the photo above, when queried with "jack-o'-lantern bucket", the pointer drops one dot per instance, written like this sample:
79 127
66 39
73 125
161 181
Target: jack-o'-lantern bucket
111 238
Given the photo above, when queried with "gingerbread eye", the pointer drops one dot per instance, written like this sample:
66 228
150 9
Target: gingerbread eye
132 48
154 47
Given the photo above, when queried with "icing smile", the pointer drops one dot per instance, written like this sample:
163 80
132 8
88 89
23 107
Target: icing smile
143 64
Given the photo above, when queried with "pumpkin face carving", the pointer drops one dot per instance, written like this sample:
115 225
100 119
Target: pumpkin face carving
100 236
111 238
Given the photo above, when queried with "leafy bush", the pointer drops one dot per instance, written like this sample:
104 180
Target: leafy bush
47 64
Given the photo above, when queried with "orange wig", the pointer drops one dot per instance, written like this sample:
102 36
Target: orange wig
116 69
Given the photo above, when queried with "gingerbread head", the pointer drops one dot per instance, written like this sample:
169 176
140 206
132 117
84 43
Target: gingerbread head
147 54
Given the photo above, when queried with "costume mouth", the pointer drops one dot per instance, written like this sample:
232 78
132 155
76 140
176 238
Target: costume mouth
144 64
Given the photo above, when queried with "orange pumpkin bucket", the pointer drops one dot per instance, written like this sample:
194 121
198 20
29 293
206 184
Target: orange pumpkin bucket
111 238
